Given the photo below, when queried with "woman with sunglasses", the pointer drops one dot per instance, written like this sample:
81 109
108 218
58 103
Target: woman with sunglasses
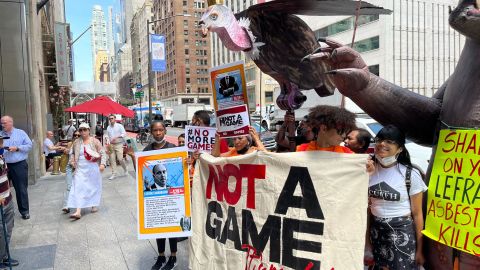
329 126
88 158
395 196
69 171
242 145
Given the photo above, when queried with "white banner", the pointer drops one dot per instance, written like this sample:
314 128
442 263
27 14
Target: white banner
233 121
304 210
200 138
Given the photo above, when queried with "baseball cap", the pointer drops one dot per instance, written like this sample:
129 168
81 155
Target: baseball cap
84 125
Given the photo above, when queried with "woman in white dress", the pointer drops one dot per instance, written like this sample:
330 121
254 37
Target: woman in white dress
88 159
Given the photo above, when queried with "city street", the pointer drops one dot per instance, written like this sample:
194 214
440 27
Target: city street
103 240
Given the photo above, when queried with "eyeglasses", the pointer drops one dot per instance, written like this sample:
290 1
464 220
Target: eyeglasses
76 135
379 141
82 129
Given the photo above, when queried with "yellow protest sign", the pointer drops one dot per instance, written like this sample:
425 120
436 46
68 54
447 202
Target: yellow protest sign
453 204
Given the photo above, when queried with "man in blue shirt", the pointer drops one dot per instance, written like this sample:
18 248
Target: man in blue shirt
16 156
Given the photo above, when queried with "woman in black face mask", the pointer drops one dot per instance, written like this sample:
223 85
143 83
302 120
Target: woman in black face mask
242 145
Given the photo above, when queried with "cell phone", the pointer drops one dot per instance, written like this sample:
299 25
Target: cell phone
132 144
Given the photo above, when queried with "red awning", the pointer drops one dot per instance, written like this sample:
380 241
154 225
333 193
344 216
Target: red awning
102 105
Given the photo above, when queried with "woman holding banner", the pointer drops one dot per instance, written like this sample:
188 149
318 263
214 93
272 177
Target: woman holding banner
330 126
242 145
159 130
395 192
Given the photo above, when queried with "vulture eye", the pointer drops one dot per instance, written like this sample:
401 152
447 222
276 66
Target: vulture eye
213 16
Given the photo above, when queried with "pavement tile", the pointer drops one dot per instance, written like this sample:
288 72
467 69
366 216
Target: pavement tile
106 257
72 257
139 254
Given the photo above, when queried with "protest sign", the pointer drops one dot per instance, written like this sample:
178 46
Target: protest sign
233 121
453 202
163 192
200 138
304 210
228 85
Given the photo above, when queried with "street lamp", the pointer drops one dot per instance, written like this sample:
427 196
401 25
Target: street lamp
150 62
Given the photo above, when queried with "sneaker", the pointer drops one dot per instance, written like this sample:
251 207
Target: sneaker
111 177
172 262
125 173
161 260
12 261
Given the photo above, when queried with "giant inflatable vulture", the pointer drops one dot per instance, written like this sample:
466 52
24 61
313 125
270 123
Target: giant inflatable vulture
456 105
277 40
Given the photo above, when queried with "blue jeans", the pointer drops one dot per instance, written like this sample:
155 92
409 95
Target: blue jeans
68 181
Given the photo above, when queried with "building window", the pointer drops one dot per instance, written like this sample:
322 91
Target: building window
186 51
344 25
187 70
186 41
187 100
185 32
375 69
367 44
185 3
185 23
268 96
205 101
188 80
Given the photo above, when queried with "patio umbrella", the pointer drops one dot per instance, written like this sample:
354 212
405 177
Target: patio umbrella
102 105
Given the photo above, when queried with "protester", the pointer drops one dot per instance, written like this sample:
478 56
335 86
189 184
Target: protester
116 135
304 133
68 130
181 139
88 159
201 118
99 131
50 150
16 156
8 210
330 125
159 130
244 144
358 140
395 192
69 172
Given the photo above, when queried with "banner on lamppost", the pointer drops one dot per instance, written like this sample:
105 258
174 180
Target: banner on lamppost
157 48
60 31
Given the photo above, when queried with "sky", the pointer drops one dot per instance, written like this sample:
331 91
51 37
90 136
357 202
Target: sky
79 15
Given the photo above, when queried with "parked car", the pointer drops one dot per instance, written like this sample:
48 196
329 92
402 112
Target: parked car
267 137
419 155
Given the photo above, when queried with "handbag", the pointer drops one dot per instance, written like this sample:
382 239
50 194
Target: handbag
90 154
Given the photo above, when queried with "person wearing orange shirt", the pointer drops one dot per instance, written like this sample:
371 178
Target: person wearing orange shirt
242 145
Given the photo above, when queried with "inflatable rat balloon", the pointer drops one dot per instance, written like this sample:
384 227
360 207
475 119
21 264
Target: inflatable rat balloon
455 105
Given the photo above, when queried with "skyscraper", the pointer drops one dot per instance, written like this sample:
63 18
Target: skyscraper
99 33
110 31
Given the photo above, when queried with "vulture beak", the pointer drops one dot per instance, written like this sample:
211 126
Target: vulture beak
317 53
465 18
204 28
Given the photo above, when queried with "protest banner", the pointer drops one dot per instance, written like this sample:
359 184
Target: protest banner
279 211
163 193
453 202
200 138
228 84
233 121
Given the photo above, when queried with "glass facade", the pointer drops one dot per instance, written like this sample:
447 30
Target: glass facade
367 44
344 25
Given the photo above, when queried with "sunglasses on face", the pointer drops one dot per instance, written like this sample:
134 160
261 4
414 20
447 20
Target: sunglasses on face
76 135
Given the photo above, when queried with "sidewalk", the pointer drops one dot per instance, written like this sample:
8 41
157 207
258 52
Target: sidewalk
103 240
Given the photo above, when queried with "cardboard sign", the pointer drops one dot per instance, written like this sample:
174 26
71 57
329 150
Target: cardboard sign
453 202
305 210
228 84
233 121
200 138
163 192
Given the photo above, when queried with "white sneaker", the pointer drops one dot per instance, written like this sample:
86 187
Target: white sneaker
111 177
125 173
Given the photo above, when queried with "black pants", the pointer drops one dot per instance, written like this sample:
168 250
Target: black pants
161 244
49 157
18 174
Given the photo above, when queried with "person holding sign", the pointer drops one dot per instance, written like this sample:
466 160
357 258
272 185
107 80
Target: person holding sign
395 192
245 144
159 131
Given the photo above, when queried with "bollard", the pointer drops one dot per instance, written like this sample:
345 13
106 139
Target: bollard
63 163
56 165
